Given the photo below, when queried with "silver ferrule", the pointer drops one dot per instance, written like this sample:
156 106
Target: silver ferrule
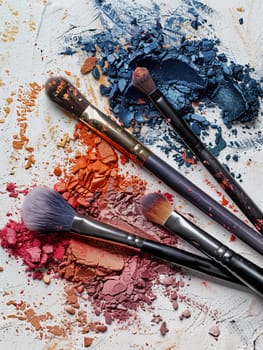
195 236
224 254
116 135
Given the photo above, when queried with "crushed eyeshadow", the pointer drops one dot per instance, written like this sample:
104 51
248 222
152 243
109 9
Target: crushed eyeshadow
214 331
163 329
192 74
116 280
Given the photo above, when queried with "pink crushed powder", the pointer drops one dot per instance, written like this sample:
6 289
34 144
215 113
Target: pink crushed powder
11 188
117 289
35 250
116 280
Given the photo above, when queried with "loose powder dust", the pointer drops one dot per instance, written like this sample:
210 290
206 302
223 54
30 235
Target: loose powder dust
116 280
109 281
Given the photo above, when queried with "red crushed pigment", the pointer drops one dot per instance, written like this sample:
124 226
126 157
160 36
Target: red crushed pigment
37 251
116 280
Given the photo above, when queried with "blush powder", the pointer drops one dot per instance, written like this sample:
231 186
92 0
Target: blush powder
117 280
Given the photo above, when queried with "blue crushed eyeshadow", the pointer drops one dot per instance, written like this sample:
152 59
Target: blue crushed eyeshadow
186 71
68 52
105 90
220 143
96 73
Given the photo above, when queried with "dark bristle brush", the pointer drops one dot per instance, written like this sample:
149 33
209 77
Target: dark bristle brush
68 97
157 208
45 210
142 80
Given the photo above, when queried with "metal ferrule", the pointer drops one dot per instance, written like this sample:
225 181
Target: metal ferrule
116 135
224 254
195 236
90 227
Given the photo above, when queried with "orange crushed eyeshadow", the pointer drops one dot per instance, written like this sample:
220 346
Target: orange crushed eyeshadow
45 323
83 262
88 341
88 65
10 32
57 171
25 312
26 102
90 173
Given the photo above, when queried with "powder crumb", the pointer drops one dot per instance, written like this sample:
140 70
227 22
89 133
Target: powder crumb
56 330
156 319
70 309
1 269
57 171
46 279
185 314
232 238
214 331
175 304
88 341
163 329
88 65
63 141
174 295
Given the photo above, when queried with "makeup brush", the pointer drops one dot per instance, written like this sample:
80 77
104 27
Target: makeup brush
142 80
157 208
68 97
45 210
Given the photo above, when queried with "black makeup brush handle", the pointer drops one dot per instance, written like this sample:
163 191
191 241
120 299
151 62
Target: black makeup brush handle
231 187
187 259
249 273
92 228
201 200
179 124
63 93
226 181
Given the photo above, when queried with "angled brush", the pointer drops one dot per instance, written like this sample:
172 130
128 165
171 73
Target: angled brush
45 210
68 97
157 208
143 81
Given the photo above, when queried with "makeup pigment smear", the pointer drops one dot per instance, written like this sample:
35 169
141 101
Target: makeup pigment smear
116 282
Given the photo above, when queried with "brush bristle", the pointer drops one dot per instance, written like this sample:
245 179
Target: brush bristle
143 81
156 208
46 210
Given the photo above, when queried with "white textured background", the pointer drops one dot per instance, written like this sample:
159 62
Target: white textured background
34 29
